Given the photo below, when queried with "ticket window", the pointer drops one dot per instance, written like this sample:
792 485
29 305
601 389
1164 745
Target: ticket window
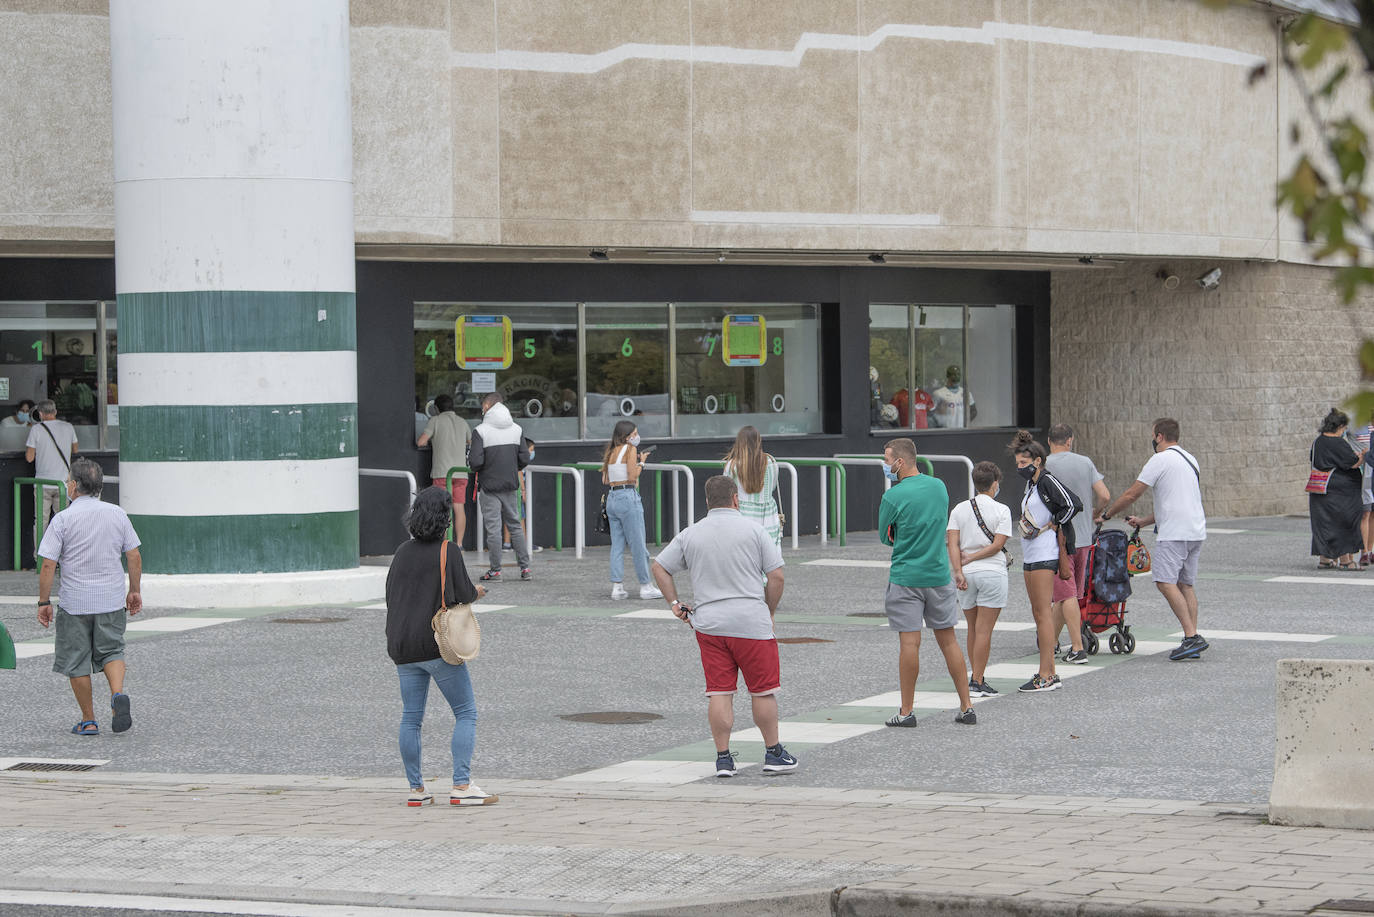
58 351
627 368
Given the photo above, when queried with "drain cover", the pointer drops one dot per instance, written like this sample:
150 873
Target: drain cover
803 640
867 614
49 764
611 717
307 620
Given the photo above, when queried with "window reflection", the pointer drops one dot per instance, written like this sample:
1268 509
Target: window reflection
48 351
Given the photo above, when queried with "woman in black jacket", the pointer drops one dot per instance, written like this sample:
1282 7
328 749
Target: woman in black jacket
1047 543
412 598
1336 514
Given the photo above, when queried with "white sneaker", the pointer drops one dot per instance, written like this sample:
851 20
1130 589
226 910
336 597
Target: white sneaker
618 591
472 796
650 592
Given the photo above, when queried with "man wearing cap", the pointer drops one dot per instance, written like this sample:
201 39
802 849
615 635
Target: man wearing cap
949 400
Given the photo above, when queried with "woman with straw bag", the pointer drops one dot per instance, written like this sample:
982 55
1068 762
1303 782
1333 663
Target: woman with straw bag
413 595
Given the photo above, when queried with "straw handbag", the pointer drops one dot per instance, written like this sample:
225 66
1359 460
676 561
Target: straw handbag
455 629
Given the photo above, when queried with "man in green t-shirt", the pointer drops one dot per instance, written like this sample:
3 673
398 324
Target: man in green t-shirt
912 518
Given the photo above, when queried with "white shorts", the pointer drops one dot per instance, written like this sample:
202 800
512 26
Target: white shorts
1175 562
986 589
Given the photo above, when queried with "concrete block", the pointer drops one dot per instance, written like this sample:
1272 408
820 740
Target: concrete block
257 590
1324 744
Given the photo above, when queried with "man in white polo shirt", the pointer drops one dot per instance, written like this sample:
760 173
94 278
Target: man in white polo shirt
736 575
87 539
1182 525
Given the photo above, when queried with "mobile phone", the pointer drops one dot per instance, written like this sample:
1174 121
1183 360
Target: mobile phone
647 449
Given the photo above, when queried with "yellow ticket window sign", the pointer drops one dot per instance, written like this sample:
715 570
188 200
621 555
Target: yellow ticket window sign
743 340
483 342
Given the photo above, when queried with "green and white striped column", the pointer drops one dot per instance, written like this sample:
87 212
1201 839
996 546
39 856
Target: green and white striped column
235 283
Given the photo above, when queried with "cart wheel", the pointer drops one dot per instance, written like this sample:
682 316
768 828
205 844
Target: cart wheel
1114 641
1091 643
1128 642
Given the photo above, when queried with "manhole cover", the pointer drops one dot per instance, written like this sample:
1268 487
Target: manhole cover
611 717
803 640
867 614
307 620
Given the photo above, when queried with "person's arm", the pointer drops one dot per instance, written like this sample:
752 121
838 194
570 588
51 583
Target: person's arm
45 577
956 564
522 454
28 454
633 465
1065 562
772 590
999 541
1101 496
134 600
664 580
477 454
463 588
423 441
73 445
1131 495
886 522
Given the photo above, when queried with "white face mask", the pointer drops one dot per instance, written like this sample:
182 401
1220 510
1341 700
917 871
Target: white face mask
633 439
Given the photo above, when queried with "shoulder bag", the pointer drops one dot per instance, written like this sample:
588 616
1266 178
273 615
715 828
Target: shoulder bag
455 629
1137 555
777 500
1317 480
987 532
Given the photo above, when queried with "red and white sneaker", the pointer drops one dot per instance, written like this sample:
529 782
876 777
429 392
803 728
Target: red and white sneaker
471 796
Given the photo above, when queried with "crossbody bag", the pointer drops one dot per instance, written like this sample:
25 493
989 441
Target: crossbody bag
1317 480
987 532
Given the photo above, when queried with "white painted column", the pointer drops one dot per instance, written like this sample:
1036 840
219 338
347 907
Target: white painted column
235 283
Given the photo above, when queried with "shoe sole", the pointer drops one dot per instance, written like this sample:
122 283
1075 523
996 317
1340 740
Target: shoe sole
1054 687
1083 661
778 768
122 721
726 773
902 725
415 804
964 722
1196 654
465 801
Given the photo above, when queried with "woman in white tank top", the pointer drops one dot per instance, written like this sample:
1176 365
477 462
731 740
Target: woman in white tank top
620 467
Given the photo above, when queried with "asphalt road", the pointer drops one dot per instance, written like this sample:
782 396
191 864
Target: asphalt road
261 696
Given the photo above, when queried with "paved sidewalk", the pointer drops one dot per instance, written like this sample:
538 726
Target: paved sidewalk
551 847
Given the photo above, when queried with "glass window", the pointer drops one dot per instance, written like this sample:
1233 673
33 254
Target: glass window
747 363
48 351
942 367
627 368
526 351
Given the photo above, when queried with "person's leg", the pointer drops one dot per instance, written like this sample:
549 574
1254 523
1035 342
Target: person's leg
1178 604
455 683
81 688
720 713
634 534
460 513
1190 602
765 710
980 641
616 517
908 668
954 661
72 652
971 617
114 674
1072 617
510 511
414 690
1040 588
491 522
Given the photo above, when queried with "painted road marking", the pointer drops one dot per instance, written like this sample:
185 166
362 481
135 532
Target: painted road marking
664 773
1323 580
1265 636
174 624
807 733
657 614
1215 531
925 700
837 562
213 905
1024 671
479 609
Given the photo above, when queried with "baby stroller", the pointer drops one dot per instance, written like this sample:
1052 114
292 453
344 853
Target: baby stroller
1105 590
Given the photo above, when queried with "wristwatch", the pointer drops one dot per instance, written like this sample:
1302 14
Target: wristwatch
41 604
675 603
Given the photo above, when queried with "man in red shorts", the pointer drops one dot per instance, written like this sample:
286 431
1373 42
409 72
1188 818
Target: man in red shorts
736 573
451 436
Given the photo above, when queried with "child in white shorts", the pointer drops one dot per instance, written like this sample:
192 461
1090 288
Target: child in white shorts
976 535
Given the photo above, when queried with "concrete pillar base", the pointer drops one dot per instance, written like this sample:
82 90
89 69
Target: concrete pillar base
258 590
1324 744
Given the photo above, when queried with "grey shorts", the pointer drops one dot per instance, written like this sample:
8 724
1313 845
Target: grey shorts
907 607
85 643
1175 562
985 589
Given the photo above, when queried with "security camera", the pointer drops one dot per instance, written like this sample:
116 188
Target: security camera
1210 280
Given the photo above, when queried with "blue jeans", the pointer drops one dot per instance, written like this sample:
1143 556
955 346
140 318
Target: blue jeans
626 514
456 686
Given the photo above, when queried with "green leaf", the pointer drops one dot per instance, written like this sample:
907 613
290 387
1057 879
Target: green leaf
1329 87
1317 38
1367 359
1351 278
1360 407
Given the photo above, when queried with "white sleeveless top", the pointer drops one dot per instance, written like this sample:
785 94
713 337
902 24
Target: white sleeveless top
618 471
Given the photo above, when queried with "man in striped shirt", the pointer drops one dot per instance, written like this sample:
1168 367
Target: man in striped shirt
87 539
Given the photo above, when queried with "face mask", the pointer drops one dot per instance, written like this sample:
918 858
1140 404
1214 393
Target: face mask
633 440
1027 472
1154 446
889 472
996 489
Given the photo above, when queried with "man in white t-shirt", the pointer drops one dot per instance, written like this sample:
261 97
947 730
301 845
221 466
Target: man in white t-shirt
949 401
977 555
1181 527
50 446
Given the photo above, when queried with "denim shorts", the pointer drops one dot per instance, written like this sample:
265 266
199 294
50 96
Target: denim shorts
1040 565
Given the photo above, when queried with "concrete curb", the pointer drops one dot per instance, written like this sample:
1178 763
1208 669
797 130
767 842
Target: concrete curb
862 902
259 590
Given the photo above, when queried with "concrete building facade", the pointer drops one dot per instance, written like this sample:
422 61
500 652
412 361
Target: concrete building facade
1003 185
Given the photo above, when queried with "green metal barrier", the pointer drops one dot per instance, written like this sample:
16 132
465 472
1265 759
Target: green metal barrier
658 474
924 463
837 521
36 483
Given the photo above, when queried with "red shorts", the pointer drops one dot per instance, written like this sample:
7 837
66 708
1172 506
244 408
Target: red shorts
460 488
1065 589
723 658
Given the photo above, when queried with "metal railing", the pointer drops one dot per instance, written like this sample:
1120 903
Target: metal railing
37 484
382 473
579 506
833 479
659 469
782 466
869 459
962 460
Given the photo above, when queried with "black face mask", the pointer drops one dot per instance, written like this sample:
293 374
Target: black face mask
1154 445
1027 472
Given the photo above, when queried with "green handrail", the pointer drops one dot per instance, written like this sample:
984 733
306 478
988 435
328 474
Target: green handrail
926 464
37 512
838 523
